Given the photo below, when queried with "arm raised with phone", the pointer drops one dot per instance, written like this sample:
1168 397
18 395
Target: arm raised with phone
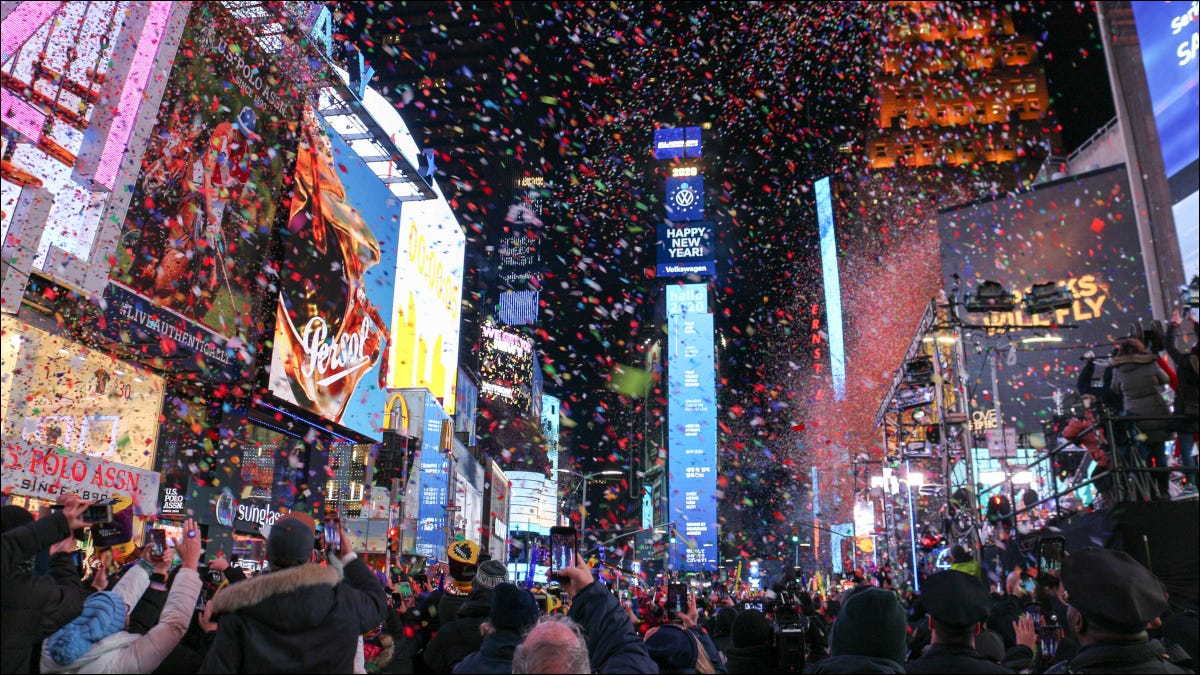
613 645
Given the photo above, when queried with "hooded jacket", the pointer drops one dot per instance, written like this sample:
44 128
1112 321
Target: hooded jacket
298 619
125 652
458 638
613 645
1139 381
32 607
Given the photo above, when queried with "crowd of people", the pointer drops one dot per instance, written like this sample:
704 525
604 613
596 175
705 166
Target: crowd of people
322 609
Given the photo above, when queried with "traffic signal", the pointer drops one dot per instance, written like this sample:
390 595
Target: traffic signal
393 543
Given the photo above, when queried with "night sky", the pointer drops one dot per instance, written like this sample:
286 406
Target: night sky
582 86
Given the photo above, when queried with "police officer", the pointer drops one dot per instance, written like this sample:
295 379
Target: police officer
956 603
1111 598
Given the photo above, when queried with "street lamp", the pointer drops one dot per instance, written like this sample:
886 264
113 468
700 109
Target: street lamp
585 477
796 550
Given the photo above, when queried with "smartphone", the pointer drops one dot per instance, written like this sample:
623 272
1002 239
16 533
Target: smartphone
333 541
404 589
564 542
1034 611
1048 639
1049 558
752 605
677 594
421 578
156 542
98 513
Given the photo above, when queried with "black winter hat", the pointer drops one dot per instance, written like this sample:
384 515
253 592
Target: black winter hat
513 608
290 542
871 622
751 629
13 516
673 649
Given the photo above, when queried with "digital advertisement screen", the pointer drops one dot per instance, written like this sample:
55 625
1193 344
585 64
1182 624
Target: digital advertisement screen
337 270
532 502
466 398
833 288
1169 33
212 190
550 429
1169 37
1079 233
428 302
692 437
677 142
435 486
686 249
685 198
506 366
73 96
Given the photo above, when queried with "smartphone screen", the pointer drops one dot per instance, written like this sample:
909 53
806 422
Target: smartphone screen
1048 639
98 513
156 542
333 542
1050 555
404 589
564 541
1035 612
676 598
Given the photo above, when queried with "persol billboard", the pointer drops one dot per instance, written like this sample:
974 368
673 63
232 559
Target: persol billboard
339 250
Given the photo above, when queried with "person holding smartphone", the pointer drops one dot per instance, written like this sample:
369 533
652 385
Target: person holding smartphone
298 616
33 607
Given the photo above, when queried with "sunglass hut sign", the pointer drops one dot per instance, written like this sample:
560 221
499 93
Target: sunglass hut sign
254 515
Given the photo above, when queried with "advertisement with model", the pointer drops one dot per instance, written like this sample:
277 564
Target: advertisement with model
335 284
186 291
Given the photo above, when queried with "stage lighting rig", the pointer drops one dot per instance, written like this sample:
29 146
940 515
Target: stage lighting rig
1048 297
990 296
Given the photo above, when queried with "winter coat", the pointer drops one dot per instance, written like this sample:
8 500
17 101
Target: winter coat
1114 658
494 656
461 636
1187 395
613 645
854 663
125 652
1139 381
31 608
758 659
298 619
953 659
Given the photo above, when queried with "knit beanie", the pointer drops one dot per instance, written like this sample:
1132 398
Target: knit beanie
871 622
673 649
490 574
103 614
291 541
513 608
751 629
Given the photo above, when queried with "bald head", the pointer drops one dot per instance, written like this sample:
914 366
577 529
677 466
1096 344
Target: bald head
555 645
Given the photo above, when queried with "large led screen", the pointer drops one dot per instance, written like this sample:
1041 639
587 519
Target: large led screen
76 76
335 288
685 198
435 485
692 437
833 287
686 249
1168 33
428 301
675 142
1079 233
506 366
187 284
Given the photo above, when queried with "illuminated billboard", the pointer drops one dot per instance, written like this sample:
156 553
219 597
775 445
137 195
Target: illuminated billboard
1080 233
187 288
77 97
435 484
686 249
466 405
550 429
685 198
335 288
532 502
692 435
833 288
677 142
427 307
1169 37
506 366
